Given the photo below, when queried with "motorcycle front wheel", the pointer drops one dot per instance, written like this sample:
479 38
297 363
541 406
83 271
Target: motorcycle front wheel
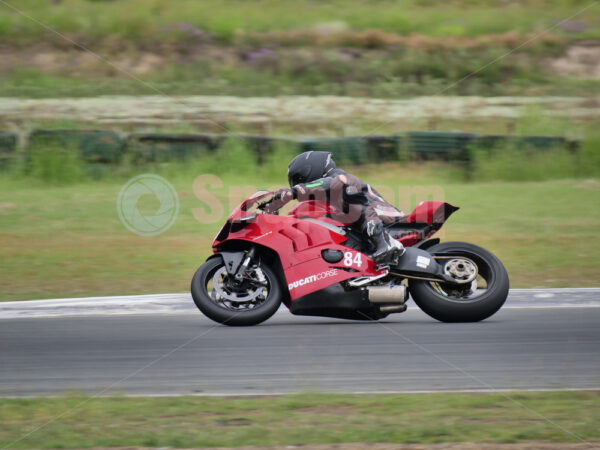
468 302
226 300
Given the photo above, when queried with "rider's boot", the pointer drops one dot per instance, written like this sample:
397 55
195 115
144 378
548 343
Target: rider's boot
388 249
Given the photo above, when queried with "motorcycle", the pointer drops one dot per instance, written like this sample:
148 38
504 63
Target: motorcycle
317 265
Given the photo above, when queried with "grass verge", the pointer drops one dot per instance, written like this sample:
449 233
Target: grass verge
509 163
386 49
307 418
158 21
66 240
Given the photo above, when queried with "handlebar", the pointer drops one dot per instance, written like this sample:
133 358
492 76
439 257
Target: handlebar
262 205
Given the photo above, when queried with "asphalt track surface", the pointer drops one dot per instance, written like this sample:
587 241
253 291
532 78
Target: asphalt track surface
541 340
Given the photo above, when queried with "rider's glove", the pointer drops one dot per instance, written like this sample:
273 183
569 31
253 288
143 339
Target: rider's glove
281 197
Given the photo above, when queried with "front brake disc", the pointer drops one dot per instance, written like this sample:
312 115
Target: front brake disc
229 294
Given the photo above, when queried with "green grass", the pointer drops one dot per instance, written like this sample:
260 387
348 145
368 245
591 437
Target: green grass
527 164
154 20
309 418
277 47
63 238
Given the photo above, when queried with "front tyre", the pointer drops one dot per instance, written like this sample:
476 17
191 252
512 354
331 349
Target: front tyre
469 302
236 302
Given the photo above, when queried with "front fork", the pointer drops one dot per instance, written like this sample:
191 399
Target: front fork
239 274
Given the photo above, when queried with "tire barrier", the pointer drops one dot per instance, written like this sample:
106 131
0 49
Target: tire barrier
107 147
344 150
385 148
540 143
439 145
94 146
260 146
8 145
155 147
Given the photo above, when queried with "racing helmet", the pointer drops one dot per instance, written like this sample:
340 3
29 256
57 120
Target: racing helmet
309 166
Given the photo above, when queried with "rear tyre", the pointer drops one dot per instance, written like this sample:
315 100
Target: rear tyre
471 302
250 302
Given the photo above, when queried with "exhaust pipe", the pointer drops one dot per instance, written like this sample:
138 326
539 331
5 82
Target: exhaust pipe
392 308
390 294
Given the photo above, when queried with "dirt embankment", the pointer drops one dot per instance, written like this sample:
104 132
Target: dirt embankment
272 51
580 60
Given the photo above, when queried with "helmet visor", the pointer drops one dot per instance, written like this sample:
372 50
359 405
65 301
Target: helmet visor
298 176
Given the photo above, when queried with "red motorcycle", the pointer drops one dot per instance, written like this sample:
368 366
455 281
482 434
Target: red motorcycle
318 266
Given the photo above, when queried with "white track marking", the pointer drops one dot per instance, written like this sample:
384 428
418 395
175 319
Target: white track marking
183 304
260 393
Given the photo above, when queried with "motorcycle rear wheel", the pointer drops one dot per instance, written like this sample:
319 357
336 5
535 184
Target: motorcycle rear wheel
468 302
253 302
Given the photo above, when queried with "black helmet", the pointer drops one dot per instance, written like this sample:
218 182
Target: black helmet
309 166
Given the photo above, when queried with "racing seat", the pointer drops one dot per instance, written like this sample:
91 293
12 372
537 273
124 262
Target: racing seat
427 218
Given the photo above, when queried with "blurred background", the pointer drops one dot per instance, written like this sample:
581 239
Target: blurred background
493 106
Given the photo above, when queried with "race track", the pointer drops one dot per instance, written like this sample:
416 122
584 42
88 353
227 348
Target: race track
551 344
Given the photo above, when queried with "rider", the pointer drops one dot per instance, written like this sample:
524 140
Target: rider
314 175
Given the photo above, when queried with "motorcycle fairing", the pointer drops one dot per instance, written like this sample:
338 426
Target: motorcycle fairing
299 244
335 301
312 208
425 220
300 238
